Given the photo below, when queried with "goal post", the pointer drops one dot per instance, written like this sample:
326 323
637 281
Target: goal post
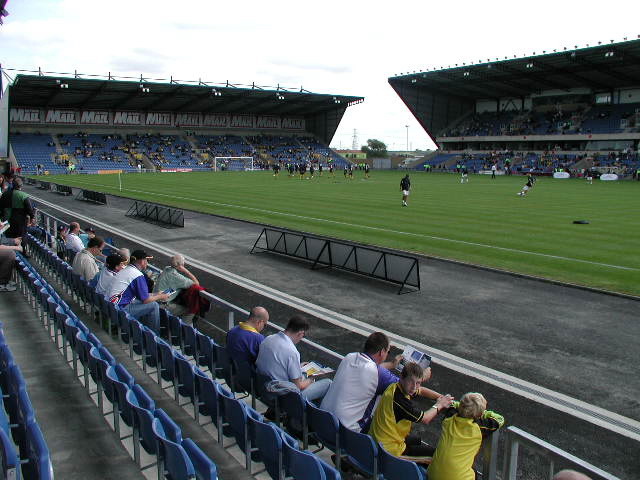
232 163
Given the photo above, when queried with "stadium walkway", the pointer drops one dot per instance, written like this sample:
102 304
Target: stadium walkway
573 341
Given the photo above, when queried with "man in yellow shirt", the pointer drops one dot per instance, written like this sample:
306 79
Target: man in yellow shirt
396 412
467 422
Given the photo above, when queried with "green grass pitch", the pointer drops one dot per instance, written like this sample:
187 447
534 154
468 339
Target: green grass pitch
483 222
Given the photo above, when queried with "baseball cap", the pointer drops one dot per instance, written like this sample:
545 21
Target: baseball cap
139 255
62 227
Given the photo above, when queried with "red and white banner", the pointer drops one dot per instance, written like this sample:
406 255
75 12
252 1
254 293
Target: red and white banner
268 122
158 118
188 119
216 121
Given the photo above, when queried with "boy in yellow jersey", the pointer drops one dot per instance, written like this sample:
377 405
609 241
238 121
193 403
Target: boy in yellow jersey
466 423
397 411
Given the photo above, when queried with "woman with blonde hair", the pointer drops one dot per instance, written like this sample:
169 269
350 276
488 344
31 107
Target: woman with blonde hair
466 423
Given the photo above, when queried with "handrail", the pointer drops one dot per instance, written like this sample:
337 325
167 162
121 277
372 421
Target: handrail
516 437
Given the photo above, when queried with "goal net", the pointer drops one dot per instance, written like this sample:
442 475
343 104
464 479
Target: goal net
233 163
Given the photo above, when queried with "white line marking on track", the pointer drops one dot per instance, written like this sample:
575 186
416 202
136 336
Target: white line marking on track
577 408
379 229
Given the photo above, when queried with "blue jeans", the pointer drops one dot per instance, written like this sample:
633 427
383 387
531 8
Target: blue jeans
147 313
317 390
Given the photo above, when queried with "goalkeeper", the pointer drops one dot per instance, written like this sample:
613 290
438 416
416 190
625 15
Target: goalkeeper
465 424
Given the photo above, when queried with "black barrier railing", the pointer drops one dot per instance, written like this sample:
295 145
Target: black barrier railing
91 196
63 189
30 181
44 185
369 261
157 214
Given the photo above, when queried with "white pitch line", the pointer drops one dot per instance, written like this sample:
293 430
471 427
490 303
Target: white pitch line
577 408
379 229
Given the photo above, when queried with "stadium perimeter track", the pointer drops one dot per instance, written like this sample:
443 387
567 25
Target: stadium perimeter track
559 362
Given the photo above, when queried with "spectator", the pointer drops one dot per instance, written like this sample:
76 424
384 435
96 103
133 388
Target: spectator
243 340
396 412
61 239
125 253
17 209
570 475
129 290
279 359
175 277
88 234
7 263
104 279
73 243
86 263
361 379
466 423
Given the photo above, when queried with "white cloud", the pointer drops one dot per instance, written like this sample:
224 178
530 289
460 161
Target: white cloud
338 47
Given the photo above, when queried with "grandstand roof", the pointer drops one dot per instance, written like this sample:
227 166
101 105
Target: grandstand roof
322 111
602 68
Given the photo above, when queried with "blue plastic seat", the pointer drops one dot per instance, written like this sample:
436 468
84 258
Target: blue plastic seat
142 425
205 468
236 416
173 461
149 348
136 336
295 406
9 463
39 462
268 440
167 366
189 343
325 427
394 468
304 465
175 330
361 450
204 351
186 378
117 383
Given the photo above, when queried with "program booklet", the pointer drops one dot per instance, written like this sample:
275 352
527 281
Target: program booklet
4 226
312 368
410 354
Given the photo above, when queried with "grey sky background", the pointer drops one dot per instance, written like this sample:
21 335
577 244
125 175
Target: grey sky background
337 47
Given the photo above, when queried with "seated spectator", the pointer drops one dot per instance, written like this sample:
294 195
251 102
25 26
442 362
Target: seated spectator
279 359
88 234
61 239
104 279
73 243
7 264
129 291
175 277
396 412
85 262
466 423
17 209
361 379
243 340
570 475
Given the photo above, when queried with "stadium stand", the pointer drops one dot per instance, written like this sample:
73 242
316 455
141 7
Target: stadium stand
551 112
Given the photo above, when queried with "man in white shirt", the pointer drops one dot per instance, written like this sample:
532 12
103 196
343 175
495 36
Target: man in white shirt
85 263
73 243
361 379
104 279
279 359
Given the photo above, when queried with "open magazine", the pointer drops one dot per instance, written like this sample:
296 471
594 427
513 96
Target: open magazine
312 368
410 354
4 226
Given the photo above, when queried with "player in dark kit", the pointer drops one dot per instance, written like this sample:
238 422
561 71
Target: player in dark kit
320 169
350 171
366 170
276 169
291 169
405 187
302 169
331 172
312 170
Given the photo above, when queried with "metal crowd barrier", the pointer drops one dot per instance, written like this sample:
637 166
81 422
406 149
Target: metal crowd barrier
516 438
156 214
91 196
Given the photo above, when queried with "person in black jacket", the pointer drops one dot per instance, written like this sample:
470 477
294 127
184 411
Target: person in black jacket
405 186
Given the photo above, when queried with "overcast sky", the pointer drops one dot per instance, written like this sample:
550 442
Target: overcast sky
338 47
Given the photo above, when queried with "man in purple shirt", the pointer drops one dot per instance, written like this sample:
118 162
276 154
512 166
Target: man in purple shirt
243 340
130 292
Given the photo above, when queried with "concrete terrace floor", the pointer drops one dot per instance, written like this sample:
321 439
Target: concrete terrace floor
577 342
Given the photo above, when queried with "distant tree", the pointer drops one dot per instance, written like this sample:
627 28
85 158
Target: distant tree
375 148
